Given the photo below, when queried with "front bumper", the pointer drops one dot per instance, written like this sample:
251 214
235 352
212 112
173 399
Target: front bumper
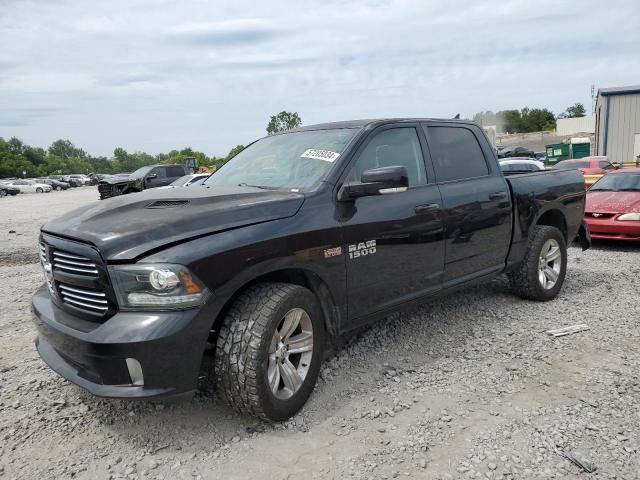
167 345
611 229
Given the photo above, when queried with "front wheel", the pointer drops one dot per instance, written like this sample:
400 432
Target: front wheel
268 352
39 190
541 274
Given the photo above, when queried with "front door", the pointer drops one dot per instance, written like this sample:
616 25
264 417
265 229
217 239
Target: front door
157 178
393 243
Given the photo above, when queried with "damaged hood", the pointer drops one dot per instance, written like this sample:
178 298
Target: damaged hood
128 226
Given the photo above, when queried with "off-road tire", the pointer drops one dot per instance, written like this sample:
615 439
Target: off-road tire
242 350
524 281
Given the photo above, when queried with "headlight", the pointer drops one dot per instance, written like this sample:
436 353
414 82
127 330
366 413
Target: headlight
629 216
156 287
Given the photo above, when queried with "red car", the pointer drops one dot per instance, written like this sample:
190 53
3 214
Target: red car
612 207
587 165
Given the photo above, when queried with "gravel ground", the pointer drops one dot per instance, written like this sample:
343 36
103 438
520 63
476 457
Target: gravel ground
468 386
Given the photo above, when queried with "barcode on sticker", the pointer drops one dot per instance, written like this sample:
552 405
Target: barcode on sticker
326 155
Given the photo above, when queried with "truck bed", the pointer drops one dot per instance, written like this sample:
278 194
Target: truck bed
547 193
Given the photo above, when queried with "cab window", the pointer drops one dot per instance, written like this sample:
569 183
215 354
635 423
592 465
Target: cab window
395 147
160 172
175 171
456 154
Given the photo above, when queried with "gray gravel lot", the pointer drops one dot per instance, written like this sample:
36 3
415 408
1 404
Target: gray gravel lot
468 386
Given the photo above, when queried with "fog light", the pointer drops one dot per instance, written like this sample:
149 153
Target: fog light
135 371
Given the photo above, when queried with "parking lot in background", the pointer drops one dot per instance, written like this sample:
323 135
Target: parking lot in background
469 386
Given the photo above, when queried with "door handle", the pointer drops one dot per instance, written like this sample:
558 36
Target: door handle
497 195
429 207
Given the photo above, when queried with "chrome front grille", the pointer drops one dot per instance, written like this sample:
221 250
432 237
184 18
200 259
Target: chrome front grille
84 298
46 268
75 264
77 279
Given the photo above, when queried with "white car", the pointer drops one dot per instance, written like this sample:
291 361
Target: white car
187 180
27 186
520 165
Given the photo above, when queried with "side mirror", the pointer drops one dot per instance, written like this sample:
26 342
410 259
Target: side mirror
151 175
377 181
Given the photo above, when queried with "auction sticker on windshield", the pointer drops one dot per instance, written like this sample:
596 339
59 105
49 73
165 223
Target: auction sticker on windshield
326 155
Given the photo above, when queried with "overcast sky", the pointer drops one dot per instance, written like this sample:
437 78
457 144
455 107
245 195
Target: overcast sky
157 75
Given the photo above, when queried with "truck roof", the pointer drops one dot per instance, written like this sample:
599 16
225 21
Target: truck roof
371 122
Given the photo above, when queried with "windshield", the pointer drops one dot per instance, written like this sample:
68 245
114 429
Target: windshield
291 161
621 182
141 172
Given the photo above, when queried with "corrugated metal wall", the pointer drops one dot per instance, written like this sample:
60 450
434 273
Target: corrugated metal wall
622 125
571 126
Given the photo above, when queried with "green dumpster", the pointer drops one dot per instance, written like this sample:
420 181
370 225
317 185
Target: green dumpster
557 152
580 150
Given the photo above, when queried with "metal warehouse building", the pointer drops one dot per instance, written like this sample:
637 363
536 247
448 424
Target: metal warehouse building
618 123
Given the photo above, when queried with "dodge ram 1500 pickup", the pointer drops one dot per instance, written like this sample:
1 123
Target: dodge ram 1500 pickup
304 236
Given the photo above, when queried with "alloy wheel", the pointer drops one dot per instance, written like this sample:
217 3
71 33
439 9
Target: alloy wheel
290 353
549 264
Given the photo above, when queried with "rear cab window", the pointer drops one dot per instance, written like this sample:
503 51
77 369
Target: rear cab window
175 171
456 153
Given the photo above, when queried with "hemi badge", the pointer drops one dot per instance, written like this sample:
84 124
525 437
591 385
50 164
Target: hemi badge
332 252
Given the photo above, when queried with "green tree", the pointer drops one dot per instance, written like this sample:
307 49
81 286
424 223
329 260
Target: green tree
63 157
283 121
65 149
574 111
512 120
15 146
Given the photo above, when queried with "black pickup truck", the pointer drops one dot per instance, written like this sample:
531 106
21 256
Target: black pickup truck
302 237
150 176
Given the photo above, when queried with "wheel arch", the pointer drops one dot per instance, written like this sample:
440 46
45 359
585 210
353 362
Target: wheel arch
554 218
296 276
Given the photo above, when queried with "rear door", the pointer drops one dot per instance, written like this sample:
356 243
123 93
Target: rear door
393 243
476 201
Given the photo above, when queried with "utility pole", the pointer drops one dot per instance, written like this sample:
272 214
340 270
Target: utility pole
593 99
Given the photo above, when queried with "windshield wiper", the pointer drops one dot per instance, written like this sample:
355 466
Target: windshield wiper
261 187
600 190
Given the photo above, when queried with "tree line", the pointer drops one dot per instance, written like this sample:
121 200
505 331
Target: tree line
18 159
526 119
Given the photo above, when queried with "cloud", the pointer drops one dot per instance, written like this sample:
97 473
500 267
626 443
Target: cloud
21 117
96 25
158 74
228 32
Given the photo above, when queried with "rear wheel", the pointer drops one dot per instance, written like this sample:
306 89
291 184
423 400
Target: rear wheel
58 188
268 351
3 193
543 269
